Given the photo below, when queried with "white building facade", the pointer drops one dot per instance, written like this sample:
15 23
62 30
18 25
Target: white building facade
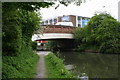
77 21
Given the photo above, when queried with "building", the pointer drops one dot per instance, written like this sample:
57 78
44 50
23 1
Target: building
77 21
119 11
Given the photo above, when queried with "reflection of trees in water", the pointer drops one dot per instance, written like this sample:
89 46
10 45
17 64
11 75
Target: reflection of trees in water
93 64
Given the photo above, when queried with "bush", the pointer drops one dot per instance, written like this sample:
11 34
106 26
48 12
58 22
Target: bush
101 32
55 67
22 66
12 41
34 45
81 47
110 47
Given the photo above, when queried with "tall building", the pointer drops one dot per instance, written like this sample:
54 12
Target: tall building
119 11
77 21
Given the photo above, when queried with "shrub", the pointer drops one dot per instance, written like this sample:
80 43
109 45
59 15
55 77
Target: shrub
110 47
12 41
55 67
22 66
34 45
101 32
81 47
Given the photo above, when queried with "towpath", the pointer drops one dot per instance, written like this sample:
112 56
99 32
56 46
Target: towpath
41 71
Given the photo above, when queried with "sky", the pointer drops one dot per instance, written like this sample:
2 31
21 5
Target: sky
87 9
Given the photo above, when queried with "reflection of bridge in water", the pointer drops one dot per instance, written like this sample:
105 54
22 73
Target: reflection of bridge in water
63 35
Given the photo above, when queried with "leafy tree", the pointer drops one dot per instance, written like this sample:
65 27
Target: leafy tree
34 45
102 31
29 23
19 22
67 2
79 35
11 33
93 26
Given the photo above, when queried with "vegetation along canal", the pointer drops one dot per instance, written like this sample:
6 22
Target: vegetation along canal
95 65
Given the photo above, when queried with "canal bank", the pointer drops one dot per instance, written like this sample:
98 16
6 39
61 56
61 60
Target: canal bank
94 65
51 66
55 67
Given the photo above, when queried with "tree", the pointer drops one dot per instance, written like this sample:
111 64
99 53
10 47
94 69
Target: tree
79 35
19 22
101 32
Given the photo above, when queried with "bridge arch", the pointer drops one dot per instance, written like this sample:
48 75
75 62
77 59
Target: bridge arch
49 36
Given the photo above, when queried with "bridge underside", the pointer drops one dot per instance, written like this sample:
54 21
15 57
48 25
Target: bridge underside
52 36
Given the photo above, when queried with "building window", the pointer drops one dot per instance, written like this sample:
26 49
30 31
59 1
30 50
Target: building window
46 22
83 18
79 25
50 21
84 22
55 20
79 17
65 19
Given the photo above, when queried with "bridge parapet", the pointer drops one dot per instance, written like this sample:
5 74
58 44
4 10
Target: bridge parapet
58 29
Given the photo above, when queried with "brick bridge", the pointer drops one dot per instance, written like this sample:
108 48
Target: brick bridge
48 32
57 29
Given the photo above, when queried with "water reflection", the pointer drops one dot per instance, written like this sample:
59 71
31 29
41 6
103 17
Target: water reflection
93 64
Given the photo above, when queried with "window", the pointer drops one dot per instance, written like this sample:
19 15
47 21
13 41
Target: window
50 21
84 22
83 18
46 22
55 20
79 18
79 25
65 19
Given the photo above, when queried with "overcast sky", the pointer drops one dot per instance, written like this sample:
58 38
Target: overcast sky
85 9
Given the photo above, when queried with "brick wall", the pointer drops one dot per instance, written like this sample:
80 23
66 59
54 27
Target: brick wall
73 20
58 29
59 19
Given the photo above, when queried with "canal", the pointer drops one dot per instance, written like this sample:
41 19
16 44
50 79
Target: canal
95 65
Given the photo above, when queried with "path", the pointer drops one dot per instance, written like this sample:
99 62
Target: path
41 64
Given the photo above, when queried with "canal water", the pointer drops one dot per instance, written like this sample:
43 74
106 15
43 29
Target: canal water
95 65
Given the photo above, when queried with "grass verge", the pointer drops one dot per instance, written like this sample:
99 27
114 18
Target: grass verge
55 67
22 66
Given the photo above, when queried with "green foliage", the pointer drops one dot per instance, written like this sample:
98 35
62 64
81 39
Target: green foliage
107 28
79 35
29 6
34 45
22 66
12 41
30 22
81 47
110 47
52 44
101 30
19 21
55 67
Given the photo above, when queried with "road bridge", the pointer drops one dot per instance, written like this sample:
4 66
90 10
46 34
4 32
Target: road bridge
48 32
61 35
